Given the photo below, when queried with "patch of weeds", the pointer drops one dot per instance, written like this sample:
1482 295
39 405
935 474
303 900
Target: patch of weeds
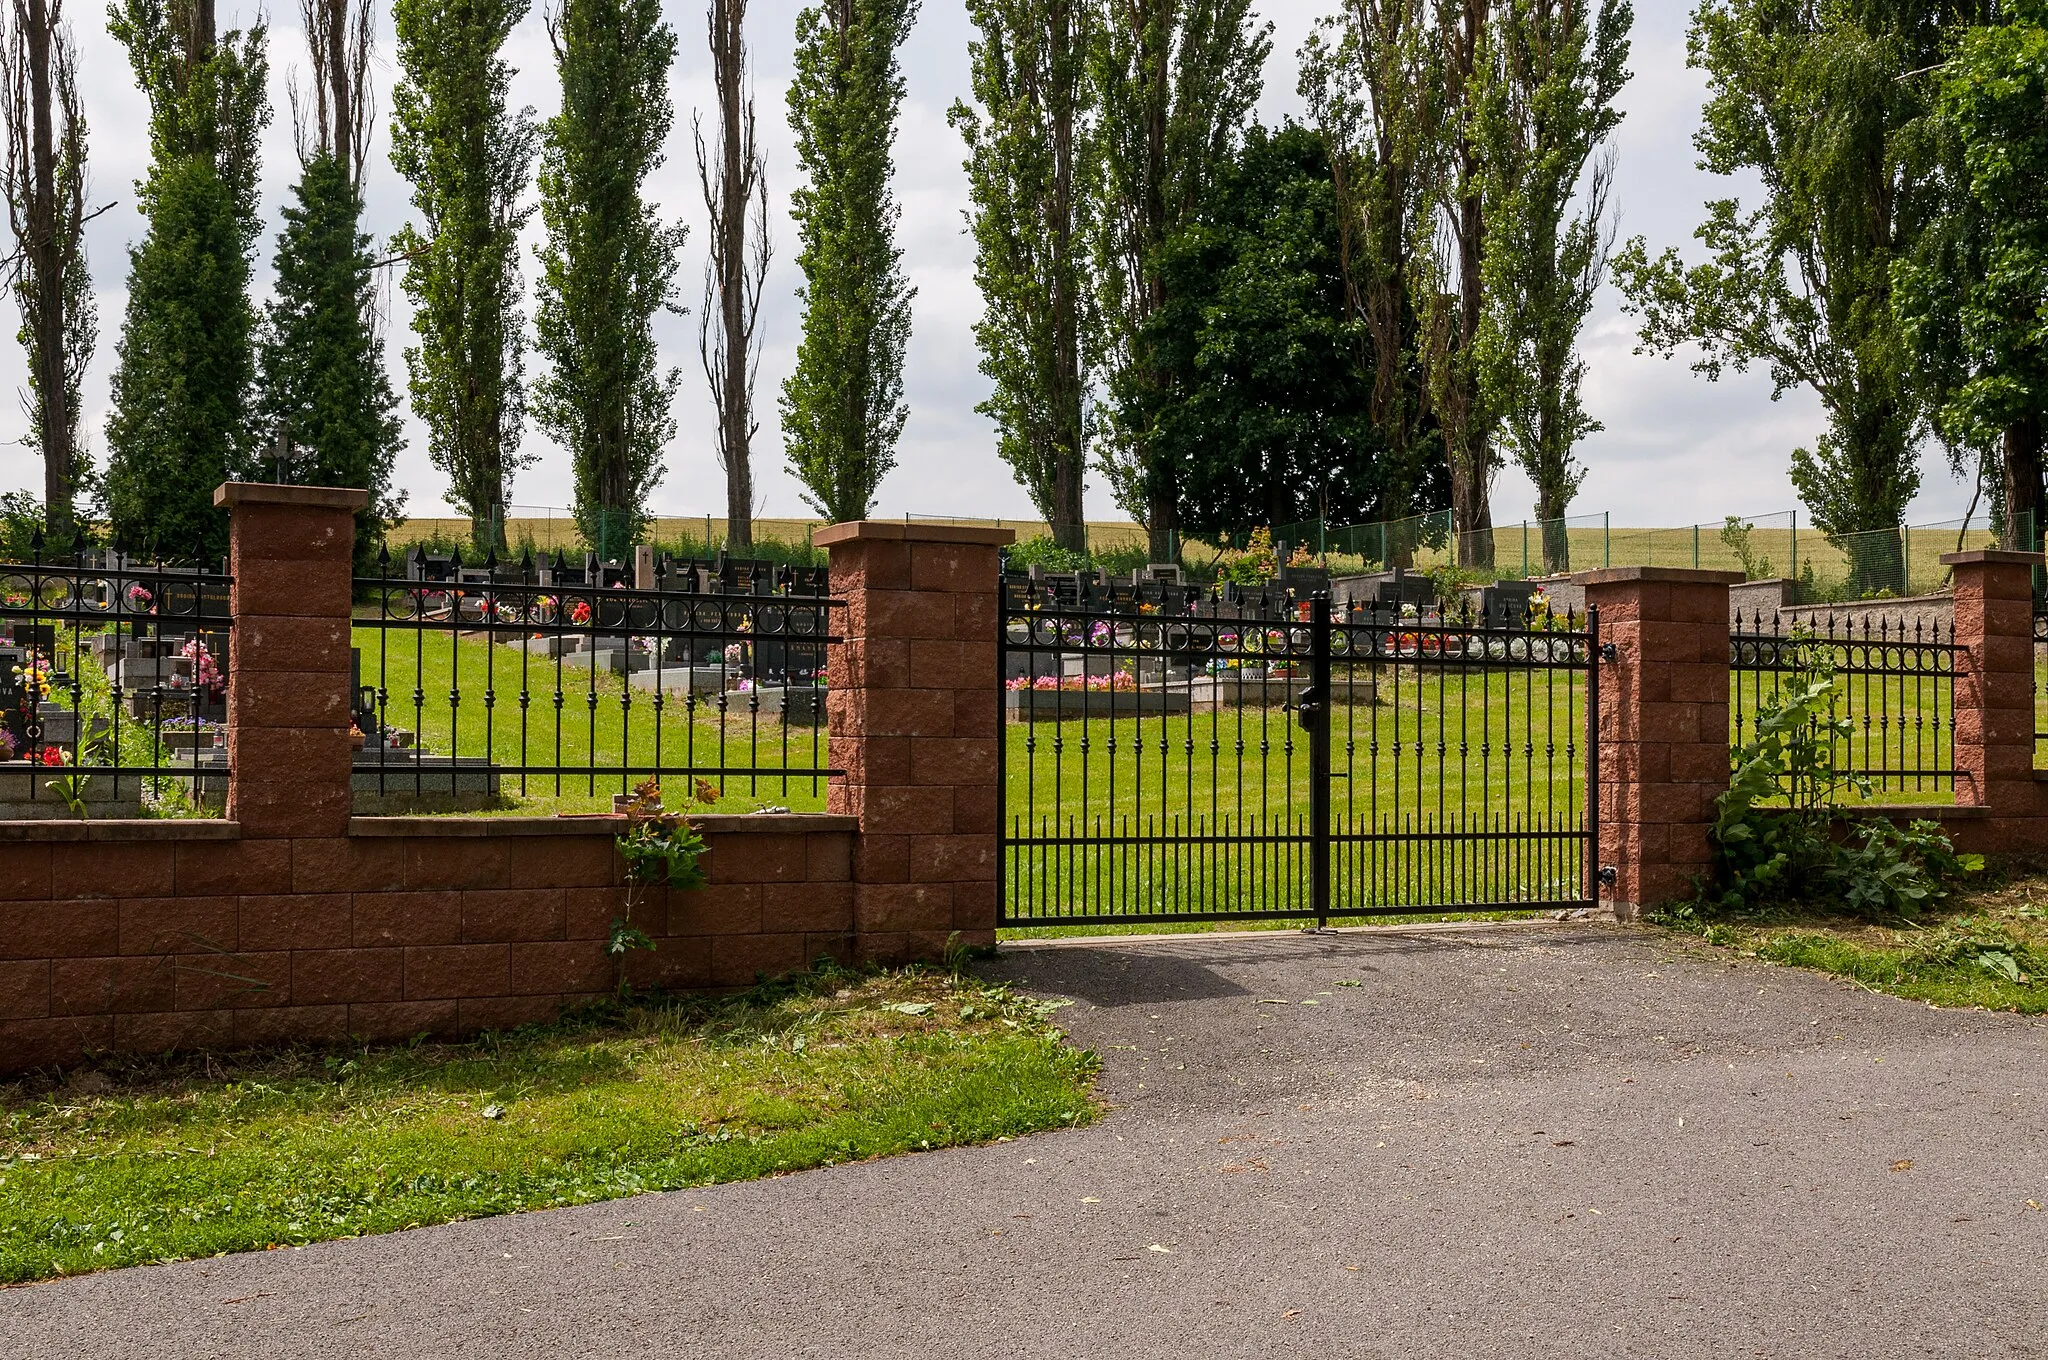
134 1162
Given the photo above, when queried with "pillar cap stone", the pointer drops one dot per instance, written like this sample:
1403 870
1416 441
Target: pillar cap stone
1687 576
1993 556
889 530
272 493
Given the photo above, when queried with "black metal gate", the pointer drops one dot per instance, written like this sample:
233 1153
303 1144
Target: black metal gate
1181 754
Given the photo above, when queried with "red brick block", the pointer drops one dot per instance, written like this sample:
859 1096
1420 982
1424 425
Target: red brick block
304 755
59 930
828 857
902 614
721 909
457 970
741 960
879 858
673 965
975 614
966 568
953 761
101 869
563 861
910 712
977 714
755 858
433 862
347 976
287 589
346 864
589 912
26 1045
180 925
974 907
953 663
209 981
168 1031
880 663
1675 723
315 699
108 986
902 906
25 873
222 868
977 810
837 946
296 921
955 858
409 918
291 1025
810 907
875 564
271 643
907 811
552 967
508 914
25 989
400 1020
872 760
478 1014
1699 763
284 808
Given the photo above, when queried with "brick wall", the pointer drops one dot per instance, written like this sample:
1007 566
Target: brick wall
144 936
292 920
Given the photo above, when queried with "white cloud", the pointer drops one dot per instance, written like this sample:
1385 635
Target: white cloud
1675 449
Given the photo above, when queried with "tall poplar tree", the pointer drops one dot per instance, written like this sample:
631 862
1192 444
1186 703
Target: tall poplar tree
43 180
842 407
1028 174
735 188
326 406
1174 82
1369 80
467 155
181 392
1554 68
608 264
1970 295
1814 100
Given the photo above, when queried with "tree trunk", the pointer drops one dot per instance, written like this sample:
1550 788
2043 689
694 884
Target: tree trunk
45 258
1557 547
2021 466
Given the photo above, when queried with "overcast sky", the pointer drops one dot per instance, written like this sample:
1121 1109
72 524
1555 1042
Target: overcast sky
1676 449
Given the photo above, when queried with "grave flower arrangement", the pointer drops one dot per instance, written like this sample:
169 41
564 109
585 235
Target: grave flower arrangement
205 671
579 613
1119 681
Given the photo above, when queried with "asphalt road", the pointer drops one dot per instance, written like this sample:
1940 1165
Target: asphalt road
1565 1140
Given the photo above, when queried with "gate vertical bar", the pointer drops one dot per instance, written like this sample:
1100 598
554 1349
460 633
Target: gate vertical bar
1593 755
1320 699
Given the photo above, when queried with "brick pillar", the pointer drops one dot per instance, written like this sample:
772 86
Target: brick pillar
290 551
1994 688
1663 726
913 719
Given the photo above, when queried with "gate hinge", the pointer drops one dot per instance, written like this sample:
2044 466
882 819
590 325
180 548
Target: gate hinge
1608 652
1609 875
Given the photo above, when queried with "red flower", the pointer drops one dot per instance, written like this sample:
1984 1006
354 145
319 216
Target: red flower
52 755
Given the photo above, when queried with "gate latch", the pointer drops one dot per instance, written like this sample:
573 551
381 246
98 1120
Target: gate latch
1609 875
1308 710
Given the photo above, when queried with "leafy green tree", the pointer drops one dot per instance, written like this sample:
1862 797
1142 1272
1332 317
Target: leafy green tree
1174 81
608 264
842 407
467 156
1554 68
1970 296
1028 173
186 362
1812 99
1270 420
43 180
325 398
1369 78
325 404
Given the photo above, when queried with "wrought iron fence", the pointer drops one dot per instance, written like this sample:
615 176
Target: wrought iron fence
1191 757
525 681
1894 680
113 686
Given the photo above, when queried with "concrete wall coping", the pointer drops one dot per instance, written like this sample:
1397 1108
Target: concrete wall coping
272 493
1687 576
879 530
1999 556
599 824
122 829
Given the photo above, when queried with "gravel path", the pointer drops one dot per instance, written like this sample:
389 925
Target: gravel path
1560 1140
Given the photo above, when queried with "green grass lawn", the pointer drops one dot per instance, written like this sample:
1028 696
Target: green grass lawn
1986 945
175 1159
